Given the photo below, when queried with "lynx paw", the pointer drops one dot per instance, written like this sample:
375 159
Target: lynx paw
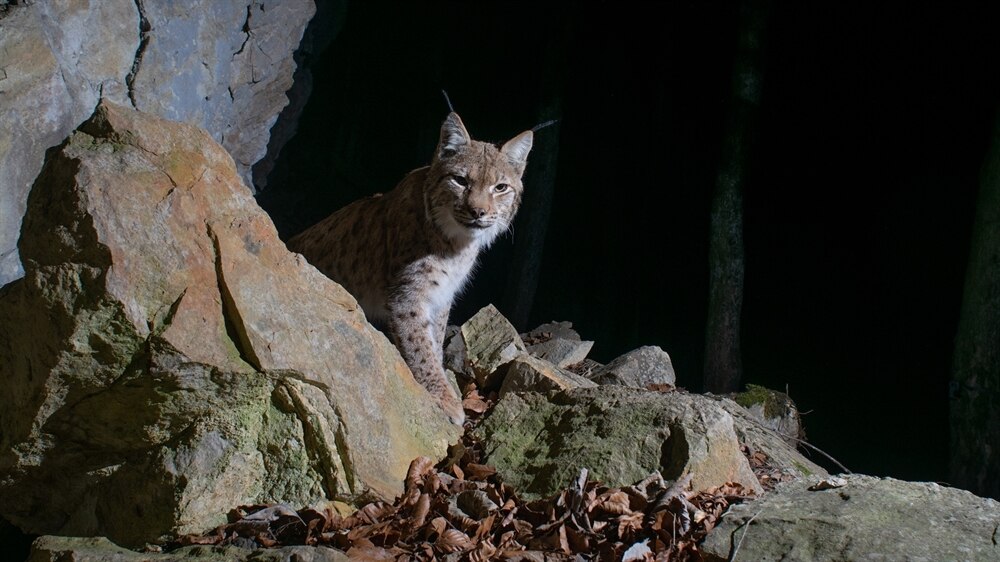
452 406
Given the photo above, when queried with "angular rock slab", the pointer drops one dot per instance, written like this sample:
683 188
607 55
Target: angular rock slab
551 330
539 444
561 352
640 368
173 360
491 341
531 374
868 519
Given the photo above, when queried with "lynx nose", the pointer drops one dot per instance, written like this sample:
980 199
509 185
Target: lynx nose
477 212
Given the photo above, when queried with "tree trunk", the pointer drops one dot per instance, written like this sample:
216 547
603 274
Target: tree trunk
975 385
540 182
723 360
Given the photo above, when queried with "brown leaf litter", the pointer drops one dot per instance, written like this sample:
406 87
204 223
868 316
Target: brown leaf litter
461 510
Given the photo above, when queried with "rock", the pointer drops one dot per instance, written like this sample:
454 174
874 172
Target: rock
640 368
55 67
490 342
539 443
757 435
551 330
530 374
454 352
775 410
100 549
173 360
561 352
585 368
222 65
868 519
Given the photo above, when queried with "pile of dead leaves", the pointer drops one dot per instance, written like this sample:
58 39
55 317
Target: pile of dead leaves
470 515
460 510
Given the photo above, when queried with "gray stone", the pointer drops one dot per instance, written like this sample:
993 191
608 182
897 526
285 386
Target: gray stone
561 352
490 343
224 65
539 443
868 519
530 374
55 68
100 549
172 358
455 359
639 368
545 332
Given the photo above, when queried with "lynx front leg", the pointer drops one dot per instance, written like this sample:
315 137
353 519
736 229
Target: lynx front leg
441 325
416 334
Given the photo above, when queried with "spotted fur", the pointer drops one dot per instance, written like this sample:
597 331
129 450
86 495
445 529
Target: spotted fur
406 254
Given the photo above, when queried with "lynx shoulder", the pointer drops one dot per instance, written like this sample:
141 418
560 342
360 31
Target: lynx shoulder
406 254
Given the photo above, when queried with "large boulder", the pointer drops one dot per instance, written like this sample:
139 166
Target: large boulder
100 549
868 518
539 443
224 65
165 358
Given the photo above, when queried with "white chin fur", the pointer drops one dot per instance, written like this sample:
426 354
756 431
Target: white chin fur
458 232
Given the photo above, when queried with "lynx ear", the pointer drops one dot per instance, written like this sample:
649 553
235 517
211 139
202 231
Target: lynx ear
453 135
518 147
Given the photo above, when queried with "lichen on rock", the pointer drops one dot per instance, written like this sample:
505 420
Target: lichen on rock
173 360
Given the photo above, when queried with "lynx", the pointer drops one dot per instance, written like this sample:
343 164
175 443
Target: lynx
406 254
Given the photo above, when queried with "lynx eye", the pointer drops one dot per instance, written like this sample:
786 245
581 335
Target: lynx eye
460 180
500 187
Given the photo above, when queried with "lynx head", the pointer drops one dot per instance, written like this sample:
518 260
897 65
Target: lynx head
474 188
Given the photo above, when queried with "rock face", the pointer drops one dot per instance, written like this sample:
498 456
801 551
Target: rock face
171 359
868 519
220 64
539 443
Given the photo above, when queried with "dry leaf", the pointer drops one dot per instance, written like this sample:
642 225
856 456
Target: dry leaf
453 540
419 467
480 471
438 526
484 551
629 524
420 511
613 502
364 550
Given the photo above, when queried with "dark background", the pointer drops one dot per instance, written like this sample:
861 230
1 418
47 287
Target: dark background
860 192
